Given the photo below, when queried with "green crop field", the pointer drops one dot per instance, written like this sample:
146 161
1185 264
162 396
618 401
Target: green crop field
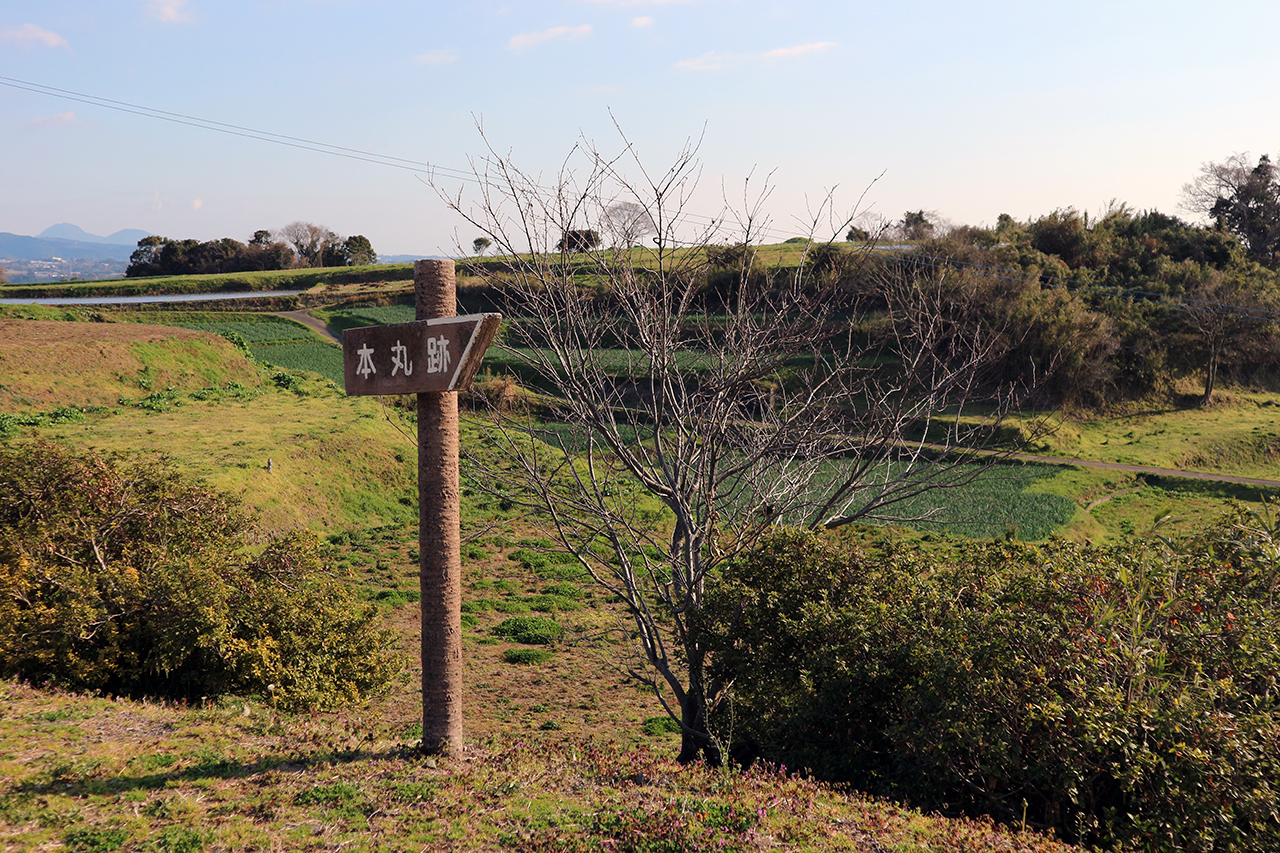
254 333
272 340
1000 502
384 314
315 355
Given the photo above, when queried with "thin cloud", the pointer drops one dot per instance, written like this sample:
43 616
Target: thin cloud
169 11
435 57
799 50
53 121
707 62
715 61
643 21
528 40
34 35
635 2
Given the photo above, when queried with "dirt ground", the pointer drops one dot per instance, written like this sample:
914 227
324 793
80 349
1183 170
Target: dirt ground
49 363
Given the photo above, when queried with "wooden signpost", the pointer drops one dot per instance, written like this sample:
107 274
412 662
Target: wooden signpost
435 356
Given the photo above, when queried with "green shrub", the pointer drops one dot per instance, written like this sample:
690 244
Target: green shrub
120 575
177 839
564 590
515 608
92 839
1122 696
664 725
549 565
479 605
531 630
551 603
527 656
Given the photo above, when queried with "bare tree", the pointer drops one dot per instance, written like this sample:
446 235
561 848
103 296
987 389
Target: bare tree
308 241
1224 320
628 223
1241 198
703 411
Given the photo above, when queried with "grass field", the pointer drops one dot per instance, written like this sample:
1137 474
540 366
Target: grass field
565 752
279 342
268 280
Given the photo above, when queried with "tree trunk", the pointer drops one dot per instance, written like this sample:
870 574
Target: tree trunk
695 742
439 542
1210 378
695 737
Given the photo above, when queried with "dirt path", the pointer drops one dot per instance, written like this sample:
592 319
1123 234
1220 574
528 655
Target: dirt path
310 322
1149 469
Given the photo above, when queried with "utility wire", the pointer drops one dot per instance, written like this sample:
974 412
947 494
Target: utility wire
417 166
238 130
422 167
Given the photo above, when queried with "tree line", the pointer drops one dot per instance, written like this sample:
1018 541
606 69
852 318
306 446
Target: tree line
298 244
1113 308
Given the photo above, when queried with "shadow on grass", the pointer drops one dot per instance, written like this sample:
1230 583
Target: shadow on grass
1210 488
69 782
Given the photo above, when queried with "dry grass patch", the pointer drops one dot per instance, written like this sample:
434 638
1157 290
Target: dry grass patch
45 364
90 773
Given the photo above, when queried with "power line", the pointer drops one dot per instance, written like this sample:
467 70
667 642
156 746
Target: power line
422 167
416 166
237 130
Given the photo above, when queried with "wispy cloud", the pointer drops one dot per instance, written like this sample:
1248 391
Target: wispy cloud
707 62
527 40
169 11
435 57
716 61
32 34
52 121
799 50
642 21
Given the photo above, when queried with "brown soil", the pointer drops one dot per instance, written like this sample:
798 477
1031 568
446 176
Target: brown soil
49 363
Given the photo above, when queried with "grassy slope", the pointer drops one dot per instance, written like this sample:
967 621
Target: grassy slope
46 364
103 774
97 773
1239 435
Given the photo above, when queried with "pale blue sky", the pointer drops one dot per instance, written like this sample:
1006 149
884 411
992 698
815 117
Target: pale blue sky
968 109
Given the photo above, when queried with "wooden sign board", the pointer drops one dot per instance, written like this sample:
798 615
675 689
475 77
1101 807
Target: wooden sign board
422 356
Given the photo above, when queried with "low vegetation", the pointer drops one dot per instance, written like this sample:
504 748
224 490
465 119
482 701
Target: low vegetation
1120 696
236 775
1114 695
122 576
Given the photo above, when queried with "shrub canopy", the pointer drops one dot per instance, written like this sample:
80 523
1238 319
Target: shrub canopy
1118 695
120 575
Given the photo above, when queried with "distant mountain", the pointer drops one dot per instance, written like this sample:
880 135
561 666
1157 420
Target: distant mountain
39 248
67 231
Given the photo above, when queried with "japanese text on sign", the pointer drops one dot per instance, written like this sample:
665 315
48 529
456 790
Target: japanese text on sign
426 355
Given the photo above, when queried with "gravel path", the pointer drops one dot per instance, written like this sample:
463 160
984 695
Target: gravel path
311 322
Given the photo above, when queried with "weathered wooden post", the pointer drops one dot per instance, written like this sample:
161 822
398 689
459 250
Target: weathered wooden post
439 537
434 357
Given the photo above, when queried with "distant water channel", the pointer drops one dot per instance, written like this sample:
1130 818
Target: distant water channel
126 300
